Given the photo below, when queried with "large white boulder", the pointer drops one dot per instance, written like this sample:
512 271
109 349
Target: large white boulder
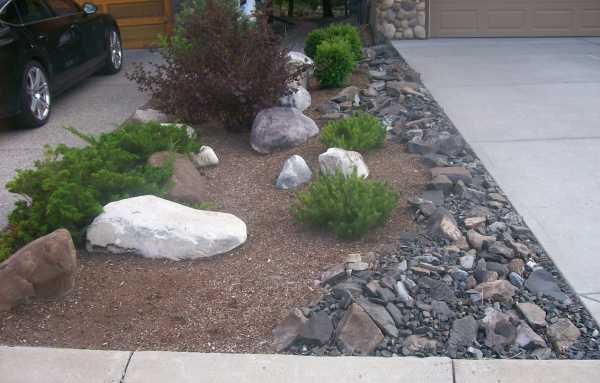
295 172
280 128
298 98
345 161
157 228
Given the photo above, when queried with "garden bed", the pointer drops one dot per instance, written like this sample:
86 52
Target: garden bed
228 303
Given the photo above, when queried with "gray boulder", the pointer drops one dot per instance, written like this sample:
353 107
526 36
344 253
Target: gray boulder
295 172
280 128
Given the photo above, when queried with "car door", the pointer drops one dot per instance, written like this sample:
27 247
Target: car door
58 35
89 32
10 48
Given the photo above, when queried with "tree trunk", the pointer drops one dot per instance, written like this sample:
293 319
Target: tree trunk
290 8
327 8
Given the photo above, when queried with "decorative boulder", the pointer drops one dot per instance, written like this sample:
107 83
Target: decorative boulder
299 62
298 59
45 268
156 228
299 98
295 172
187 185
205 157
147 115
188 129
345 161
280 128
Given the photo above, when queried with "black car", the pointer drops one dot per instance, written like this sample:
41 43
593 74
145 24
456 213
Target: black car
46 46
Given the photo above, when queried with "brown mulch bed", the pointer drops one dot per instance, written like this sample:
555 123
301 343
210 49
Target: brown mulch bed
229 303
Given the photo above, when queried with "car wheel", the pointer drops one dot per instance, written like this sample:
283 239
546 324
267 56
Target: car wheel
35 96
114 61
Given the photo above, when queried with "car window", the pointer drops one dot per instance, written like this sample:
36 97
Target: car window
10 14
63 7
32 10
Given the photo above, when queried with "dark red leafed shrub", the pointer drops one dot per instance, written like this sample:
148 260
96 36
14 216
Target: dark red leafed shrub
228 69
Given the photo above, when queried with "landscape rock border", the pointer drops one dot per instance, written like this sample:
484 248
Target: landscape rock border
472 282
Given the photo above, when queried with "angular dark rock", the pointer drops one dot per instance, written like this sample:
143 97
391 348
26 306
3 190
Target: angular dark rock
462 335
357 333
501 291
542 282
534 315
318 329
380 316
287 332
563 334
455 173
499 331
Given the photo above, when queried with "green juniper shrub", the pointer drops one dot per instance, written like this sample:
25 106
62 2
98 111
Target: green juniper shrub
359 132
69 187
342 30
334 62
348 206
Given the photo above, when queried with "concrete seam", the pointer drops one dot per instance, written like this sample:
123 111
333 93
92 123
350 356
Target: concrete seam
590 298
126 367
453 371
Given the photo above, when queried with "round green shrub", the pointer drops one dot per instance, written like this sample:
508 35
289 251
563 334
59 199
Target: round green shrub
313 40
359 132
334 62
349 33
348 206
341 30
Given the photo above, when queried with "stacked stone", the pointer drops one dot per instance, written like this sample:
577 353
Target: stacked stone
401 19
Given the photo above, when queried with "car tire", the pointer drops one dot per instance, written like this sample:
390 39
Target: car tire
36 100
114 59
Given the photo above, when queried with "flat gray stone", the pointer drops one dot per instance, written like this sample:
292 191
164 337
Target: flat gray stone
60 365
175 367
526 371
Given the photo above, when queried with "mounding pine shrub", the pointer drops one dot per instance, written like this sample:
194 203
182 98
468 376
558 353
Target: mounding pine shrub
348 206
224 67
343 30
359 132
69 187
349 33
333 63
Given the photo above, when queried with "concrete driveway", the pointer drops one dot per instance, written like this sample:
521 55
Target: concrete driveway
530 108
97 105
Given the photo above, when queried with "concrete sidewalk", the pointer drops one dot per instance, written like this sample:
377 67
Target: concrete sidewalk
530 108
48 365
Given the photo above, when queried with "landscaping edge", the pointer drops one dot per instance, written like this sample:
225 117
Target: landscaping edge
54 365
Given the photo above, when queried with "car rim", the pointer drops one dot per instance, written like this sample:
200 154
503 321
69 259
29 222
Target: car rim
39 93
116 54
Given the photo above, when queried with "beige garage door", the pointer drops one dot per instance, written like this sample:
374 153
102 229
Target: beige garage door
475 18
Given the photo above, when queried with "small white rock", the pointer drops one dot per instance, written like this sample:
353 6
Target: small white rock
206 156
295 172
345 161
299 58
